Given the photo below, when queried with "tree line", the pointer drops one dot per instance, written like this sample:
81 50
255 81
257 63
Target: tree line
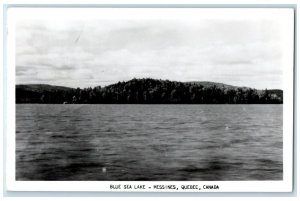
151 91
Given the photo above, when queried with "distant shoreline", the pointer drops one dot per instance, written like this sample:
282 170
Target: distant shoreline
150 104
148 91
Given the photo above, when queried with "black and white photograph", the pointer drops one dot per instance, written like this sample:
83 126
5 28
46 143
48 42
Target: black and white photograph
158 95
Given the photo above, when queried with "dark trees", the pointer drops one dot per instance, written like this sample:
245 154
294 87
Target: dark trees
151 91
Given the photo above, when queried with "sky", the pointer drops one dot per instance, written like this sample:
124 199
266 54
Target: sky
93 52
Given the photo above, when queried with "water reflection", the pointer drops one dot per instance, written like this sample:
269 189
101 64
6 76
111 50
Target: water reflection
149 142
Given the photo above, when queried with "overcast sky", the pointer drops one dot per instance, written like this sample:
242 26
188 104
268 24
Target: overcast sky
83 53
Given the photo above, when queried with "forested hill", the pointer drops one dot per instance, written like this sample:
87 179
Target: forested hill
149 91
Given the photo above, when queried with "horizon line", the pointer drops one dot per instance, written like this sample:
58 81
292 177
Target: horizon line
102 86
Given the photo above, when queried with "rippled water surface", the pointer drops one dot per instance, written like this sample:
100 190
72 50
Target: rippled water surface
148 142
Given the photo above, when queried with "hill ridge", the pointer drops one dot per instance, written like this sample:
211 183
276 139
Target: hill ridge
148 91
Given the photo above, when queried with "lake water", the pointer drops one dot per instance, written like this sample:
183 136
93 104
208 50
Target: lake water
149 142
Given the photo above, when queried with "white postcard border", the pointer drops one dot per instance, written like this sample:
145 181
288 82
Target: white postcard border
224 186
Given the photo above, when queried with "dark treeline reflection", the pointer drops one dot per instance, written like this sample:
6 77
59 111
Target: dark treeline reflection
149 91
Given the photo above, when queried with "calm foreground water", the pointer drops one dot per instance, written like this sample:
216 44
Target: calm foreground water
149 142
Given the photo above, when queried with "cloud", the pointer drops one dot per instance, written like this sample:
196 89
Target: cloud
100 52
